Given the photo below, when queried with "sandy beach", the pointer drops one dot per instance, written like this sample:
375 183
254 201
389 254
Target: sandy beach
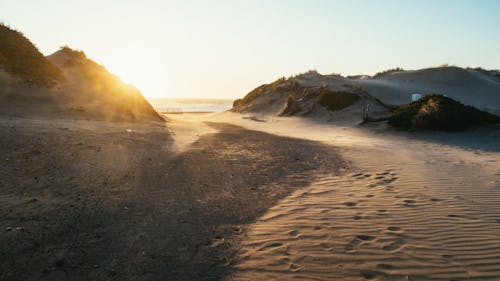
122 201
409 209
246 197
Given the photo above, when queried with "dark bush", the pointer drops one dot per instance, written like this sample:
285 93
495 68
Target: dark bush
21 59
388 71
337 100
291 107
437 112
237 102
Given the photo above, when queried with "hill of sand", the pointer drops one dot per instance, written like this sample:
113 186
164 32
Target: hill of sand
64 84
475 87
480 89
303 95
21 59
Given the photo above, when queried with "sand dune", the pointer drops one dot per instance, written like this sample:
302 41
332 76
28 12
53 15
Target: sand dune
477 88
468 86
64 84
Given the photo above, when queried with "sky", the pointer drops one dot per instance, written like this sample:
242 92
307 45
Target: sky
224 49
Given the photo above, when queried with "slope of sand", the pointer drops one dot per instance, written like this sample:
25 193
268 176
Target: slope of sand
468 86
413 208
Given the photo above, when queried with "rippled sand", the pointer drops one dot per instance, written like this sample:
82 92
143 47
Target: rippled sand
412 210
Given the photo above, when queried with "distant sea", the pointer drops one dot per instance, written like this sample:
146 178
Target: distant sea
177 105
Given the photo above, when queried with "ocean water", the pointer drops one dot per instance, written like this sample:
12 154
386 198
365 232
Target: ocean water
172 105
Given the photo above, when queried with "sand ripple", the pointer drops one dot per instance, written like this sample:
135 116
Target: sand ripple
392 220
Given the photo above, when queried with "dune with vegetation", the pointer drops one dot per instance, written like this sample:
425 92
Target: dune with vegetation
64 84
357 99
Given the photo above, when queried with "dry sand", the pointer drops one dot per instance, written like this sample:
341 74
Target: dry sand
418 207
92 200
265 198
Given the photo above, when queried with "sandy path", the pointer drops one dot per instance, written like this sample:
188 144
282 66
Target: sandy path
187 128
92 200
412 210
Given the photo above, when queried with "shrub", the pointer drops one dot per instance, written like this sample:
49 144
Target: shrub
337 100
291 107
437 112
237 102
388 71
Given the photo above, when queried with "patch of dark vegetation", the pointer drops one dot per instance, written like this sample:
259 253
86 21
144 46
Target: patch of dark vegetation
437 112
337 100
291 107
21 59
388 71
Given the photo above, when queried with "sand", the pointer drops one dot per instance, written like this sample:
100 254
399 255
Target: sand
413 208
93 200
246 197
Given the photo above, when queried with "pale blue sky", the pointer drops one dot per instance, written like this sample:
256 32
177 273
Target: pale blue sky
226 48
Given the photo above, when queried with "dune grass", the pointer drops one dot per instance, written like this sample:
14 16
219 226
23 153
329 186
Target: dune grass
437 112
337 100
21 59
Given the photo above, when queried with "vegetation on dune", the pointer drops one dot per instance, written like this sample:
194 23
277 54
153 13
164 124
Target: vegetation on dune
21 59
291 107
388 71
337 100
437 112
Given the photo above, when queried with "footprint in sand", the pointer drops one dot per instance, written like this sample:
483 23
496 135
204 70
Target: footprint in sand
327 246
271 246
365 237
385 266
448 258
350 204
395 245
294 267
368 274
351 246
389 180
394 228
409 203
